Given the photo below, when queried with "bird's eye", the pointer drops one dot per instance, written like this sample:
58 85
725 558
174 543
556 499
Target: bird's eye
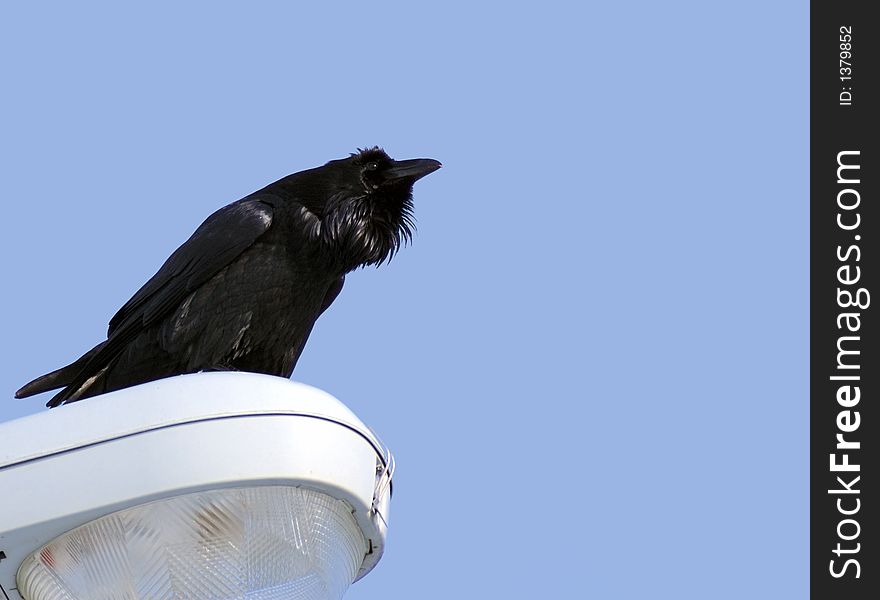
372 166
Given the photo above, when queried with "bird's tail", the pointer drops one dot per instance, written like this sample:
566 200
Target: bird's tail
58 378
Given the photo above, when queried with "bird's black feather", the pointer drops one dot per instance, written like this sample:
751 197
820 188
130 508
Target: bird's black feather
218 241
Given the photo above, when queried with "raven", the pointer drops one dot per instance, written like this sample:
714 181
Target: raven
243 292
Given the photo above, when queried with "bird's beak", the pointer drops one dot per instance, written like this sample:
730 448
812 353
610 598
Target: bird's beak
411 170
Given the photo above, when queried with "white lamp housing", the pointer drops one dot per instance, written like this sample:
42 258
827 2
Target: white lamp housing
207 486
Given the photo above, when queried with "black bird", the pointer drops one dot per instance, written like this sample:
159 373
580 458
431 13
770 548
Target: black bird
243 292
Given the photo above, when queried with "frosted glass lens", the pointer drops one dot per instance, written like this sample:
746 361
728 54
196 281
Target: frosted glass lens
254 543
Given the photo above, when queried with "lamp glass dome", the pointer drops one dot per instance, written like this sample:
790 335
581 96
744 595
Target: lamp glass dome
260 543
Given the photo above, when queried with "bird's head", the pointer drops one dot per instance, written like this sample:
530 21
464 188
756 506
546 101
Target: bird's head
366 213
372 172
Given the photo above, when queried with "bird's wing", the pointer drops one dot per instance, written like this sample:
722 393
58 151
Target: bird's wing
216 243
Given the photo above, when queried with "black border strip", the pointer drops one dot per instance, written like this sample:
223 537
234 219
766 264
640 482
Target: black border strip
844 367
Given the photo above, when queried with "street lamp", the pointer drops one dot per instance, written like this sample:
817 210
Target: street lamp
207 486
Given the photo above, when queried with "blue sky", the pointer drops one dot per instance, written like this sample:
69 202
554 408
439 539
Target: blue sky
592 361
